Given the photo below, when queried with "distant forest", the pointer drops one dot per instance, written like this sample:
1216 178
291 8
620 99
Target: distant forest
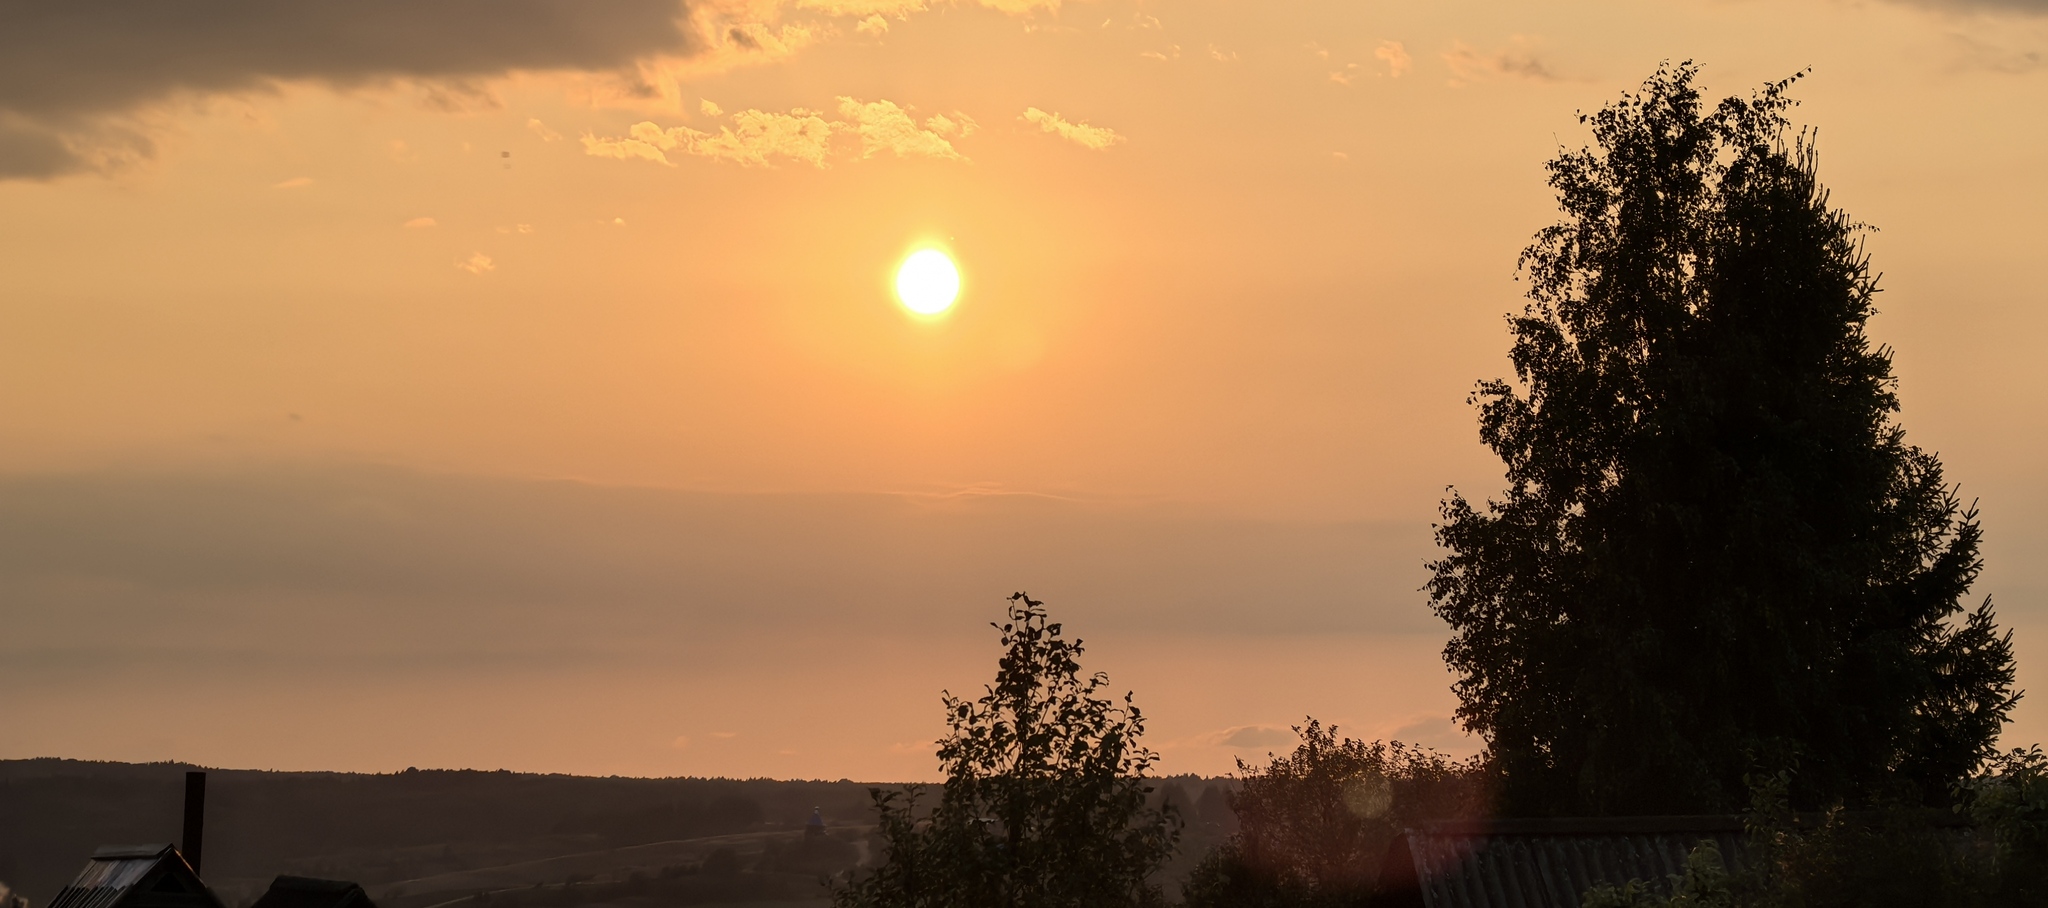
422 838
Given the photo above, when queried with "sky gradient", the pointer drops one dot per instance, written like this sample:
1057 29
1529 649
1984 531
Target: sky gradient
517 384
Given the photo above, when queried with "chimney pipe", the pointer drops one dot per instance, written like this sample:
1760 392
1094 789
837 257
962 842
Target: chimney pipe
195 818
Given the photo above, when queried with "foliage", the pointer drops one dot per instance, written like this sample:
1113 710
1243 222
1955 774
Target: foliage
1704 884
1716 550
2009 804
1044 804
1315 824
1897 855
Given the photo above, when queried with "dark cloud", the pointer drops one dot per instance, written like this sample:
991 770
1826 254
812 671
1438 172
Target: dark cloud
65 65
30 150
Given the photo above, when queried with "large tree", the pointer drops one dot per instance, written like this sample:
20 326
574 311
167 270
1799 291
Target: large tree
1716 552
1045 800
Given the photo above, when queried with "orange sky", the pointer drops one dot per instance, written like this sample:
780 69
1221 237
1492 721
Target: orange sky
375 390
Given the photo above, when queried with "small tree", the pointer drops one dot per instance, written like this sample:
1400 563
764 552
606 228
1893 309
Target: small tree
1716 552
1044 804
1315 824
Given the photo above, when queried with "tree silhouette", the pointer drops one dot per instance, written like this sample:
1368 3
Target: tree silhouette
1044 804
1314 824
1716 552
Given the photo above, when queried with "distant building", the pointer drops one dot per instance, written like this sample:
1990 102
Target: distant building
136 876
306 892
1548 863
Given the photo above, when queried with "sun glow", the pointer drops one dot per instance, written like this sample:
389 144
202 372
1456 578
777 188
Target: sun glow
927 283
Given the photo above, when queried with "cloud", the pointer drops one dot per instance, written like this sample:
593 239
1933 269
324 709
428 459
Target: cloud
682 742
958 124
1971 55
1396 56
74 75
1022 7
293 183
728 35
1254 736
1082 134
1437 732
883 126
477 263
420 222
2018 6
754 137
1517 60
865 8
542 130
871 12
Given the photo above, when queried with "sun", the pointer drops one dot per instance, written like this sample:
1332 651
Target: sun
927 283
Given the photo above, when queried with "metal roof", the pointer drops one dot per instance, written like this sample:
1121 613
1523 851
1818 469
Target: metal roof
1544 863
136 876
306 892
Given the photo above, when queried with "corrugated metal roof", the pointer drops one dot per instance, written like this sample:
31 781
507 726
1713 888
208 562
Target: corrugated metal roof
136 876
1544 863
306 892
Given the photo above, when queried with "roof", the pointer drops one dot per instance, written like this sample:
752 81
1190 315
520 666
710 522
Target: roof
1548 863
306 892
136 876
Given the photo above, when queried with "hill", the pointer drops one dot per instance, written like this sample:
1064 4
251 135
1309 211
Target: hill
422 838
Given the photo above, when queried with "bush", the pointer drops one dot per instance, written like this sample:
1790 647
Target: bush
1315 824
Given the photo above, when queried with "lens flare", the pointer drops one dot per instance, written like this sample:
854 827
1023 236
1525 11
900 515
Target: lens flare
927 283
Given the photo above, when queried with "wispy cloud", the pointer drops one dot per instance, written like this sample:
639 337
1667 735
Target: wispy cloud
1968 54
293 183
1395 56
542 130
1252 736
477 263
1097 138
1518 60
417 223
